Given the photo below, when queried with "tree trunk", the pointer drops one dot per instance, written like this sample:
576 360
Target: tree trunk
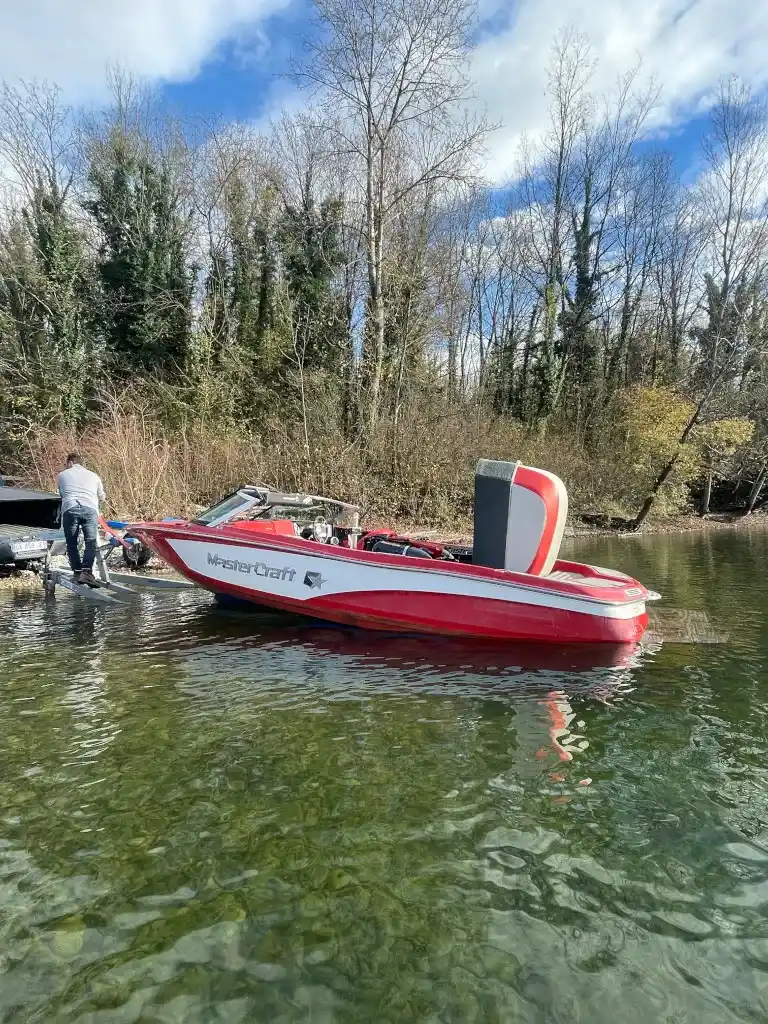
377 370
707 493
406 327
663 476
757 486
452 390
376 286
375 318
349 373
659 482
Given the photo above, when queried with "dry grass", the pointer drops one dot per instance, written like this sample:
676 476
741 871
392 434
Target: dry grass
417 471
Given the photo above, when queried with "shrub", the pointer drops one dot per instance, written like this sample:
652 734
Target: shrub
416 470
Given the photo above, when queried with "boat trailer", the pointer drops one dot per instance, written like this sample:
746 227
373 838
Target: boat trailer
113 587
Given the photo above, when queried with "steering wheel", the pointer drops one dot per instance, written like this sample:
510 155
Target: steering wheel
322 529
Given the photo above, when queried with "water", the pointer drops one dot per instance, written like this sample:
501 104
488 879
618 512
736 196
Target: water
206 816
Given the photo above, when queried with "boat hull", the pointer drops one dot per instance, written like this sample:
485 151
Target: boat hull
392 592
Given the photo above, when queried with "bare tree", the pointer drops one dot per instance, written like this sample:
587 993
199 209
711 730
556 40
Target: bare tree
677 276
734 196
641 209
396 72
37 139
544 193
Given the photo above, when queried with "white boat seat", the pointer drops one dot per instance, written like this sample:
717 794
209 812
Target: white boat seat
520 515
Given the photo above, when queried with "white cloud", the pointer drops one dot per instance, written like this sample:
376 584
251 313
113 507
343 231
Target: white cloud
282 98
70 42
685 46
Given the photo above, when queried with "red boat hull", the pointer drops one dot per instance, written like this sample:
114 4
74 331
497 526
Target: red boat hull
393 592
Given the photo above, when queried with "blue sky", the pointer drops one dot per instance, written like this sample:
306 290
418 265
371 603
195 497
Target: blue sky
223 58
244 78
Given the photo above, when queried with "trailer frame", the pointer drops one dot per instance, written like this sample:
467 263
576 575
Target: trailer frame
113 587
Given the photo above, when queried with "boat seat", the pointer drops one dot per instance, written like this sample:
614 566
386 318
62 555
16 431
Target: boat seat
520 515
278 527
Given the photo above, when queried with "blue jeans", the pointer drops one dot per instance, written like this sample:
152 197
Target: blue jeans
81 517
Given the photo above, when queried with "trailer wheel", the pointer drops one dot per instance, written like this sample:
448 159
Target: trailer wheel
137 554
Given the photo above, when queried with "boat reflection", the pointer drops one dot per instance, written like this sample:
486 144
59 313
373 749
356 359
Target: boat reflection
549 692
525 675
519 662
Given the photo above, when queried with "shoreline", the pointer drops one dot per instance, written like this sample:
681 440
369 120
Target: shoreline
577 528
690 523
24 581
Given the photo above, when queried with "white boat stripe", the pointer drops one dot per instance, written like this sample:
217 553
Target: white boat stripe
328 553
282 573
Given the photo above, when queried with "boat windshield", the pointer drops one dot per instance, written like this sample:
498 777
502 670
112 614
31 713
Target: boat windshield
302 512
247 504
226 509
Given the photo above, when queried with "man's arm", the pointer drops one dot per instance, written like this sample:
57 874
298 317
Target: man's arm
100 491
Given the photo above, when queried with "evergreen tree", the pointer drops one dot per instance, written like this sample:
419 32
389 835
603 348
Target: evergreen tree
146 284
579 342
311 251
45 306
723 341
252 274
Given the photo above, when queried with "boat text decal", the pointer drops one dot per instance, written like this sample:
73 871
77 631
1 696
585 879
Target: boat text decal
252 568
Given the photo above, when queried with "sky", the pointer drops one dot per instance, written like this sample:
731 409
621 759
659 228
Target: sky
227 58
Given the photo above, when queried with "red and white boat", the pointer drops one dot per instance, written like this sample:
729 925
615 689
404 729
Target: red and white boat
308 555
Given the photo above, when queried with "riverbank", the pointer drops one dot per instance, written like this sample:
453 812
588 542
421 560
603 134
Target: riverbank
417 472
598 526
14 581
673 524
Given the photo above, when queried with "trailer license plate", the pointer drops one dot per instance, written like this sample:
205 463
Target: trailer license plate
23 546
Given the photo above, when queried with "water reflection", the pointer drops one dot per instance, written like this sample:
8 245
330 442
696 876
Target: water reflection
212 816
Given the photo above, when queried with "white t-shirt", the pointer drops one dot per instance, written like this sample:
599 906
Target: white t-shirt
78 484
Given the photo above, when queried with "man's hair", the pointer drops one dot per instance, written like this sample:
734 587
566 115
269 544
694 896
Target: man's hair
73 457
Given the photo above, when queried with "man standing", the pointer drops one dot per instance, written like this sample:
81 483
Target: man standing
81 492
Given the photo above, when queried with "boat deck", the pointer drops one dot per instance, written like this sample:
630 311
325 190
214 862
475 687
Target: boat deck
585 581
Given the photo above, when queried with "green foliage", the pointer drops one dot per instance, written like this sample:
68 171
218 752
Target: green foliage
145 279
720 439
723 343
578 341
46 314
648 426
252 272
549 366
310 247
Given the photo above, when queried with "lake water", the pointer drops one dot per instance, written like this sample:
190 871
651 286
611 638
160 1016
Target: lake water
210 816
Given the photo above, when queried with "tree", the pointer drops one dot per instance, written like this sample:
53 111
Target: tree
604 172
45 279
676 276
644 198
393 76
718 441
734 198
146 282
310 240
544 192
310 247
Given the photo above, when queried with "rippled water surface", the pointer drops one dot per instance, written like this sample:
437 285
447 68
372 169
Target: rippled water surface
214 816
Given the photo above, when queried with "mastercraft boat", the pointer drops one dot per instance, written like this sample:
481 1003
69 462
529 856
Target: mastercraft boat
308 555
